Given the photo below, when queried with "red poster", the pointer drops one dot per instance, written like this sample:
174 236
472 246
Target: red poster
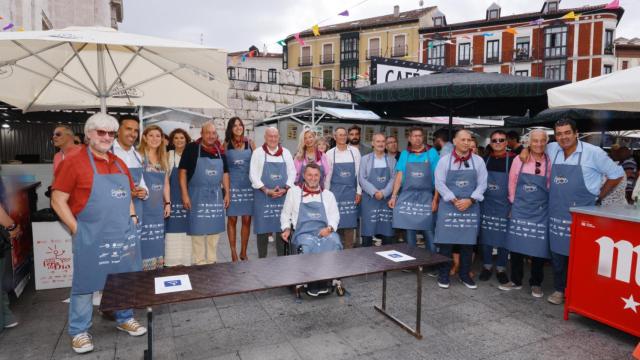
604 271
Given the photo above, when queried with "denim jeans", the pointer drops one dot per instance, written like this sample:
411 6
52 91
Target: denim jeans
501 260
428 239
465 261
81 313
386 240
560 264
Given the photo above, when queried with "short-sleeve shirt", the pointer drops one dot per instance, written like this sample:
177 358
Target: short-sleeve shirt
430 155
189 158
74 176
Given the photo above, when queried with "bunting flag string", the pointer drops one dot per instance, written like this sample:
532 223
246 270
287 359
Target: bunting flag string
7 27
316 30
344 13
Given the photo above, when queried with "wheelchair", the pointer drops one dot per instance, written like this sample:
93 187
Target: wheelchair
316 288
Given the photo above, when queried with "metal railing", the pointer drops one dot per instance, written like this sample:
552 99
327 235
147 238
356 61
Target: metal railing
521 55
305 61
465 62
321 83
254 75
400 51
493 60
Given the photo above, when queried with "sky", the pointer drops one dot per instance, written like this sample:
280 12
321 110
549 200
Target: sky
235 25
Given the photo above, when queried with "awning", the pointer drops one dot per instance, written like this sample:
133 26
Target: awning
587 120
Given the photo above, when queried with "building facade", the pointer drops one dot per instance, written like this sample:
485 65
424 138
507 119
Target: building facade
342 52
548 43
57 14
627 53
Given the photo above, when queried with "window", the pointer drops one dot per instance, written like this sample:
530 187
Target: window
493 51
608 41
251 74
555 41
348 76
349 43
272 76
438 21
399 46
306 79
464 54
285 57
608 69
305 56
625 65
327 54
374 48
231 73
327 79
435 54
552 6
522 48
522 73
556 70
493 14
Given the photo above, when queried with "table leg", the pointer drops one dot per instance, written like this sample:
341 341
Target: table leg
383 309
148 354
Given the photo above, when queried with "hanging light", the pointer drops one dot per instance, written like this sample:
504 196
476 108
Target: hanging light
5 126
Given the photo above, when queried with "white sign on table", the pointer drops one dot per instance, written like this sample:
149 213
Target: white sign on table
52 255
175 283
395 256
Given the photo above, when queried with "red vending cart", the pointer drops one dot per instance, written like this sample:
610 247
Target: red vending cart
604 266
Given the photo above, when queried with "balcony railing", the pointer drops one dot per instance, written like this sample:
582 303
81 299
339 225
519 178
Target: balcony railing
555 52
521 55
608 50
493 60
272 76
465 62
327 59
400 51
373 52
305 61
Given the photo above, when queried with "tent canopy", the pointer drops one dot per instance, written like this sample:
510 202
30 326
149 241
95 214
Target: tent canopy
457 93
587 120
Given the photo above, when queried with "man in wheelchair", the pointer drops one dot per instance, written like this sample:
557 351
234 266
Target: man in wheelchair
315 214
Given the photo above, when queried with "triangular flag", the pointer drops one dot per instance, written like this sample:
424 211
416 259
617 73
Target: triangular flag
487 34
510 31
235 60
1 18
20 29
244 58
615 4
344 13
281 42
430 44
570 16
298 39
316 30
251 53
7 27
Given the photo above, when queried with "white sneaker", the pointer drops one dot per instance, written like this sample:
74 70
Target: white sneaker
509 286
133 327
82 343
97 298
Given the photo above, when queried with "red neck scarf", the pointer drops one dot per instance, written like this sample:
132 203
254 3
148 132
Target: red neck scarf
277 153
237 144
460 159
411 151
306 191
213 150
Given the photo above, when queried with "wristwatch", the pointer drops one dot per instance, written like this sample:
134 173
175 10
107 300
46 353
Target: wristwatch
135 216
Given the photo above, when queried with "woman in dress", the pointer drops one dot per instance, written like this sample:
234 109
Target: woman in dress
238 149
158 204
177 242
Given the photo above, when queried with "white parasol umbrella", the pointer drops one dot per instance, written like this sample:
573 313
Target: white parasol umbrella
85 67
617 91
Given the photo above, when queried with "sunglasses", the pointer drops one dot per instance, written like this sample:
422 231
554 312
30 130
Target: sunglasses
498 141
102 133
57 134
538 165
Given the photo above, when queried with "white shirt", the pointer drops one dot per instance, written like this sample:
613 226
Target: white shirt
289 214
130 159
257 164
343 157
174 160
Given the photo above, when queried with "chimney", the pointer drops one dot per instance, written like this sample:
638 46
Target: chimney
396 10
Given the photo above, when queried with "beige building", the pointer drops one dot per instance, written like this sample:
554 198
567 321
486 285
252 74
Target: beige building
627 53
58 14
341 54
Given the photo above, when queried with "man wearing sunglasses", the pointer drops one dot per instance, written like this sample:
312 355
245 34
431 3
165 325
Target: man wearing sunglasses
461 180
495 208
63 140
92 196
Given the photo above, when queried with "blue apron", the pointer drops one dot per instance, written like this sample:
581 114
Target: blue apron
453 226
377 217
241 192
344 186
311 219
413 207
495 208
567 190
178 221
529 216
106 241
207 206
152 235
266 209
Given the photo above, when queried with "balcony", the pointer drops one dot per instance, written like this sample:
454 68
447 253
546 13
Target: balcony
555 52
327 59
521 55
373 52
492 60
466 62
400 51
608 50
305 61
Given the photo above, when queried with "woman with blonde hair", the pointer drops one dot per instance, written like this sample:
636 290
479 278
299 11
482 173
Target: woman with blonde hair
308 153
158 204
177 243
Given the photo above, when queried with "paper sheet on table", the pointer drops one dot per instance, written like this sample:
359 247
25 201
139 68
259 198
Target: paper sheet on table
175 283
395 256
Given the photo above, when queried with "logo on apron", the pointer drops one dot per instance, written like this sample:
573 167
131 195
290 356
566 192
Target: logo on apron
530 188
462 183
417 174
238 162
275 177
493 187
314 215
211 172
156 187
345 173
381 178
119 193
560 180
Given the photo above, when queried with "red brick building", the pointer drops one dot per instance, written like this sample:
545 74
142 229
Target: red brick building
541 44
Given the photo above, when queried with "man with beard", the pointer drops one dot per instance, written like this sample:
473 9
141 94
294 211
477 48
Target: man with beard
391 147
354 140
441 143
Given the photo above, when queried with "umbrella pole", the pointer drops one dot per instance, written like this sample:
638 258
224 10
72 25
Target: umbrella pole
450 125
101 79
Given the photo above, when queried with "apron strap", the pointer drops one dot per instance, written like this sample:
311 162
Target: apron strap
93 163
135 154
